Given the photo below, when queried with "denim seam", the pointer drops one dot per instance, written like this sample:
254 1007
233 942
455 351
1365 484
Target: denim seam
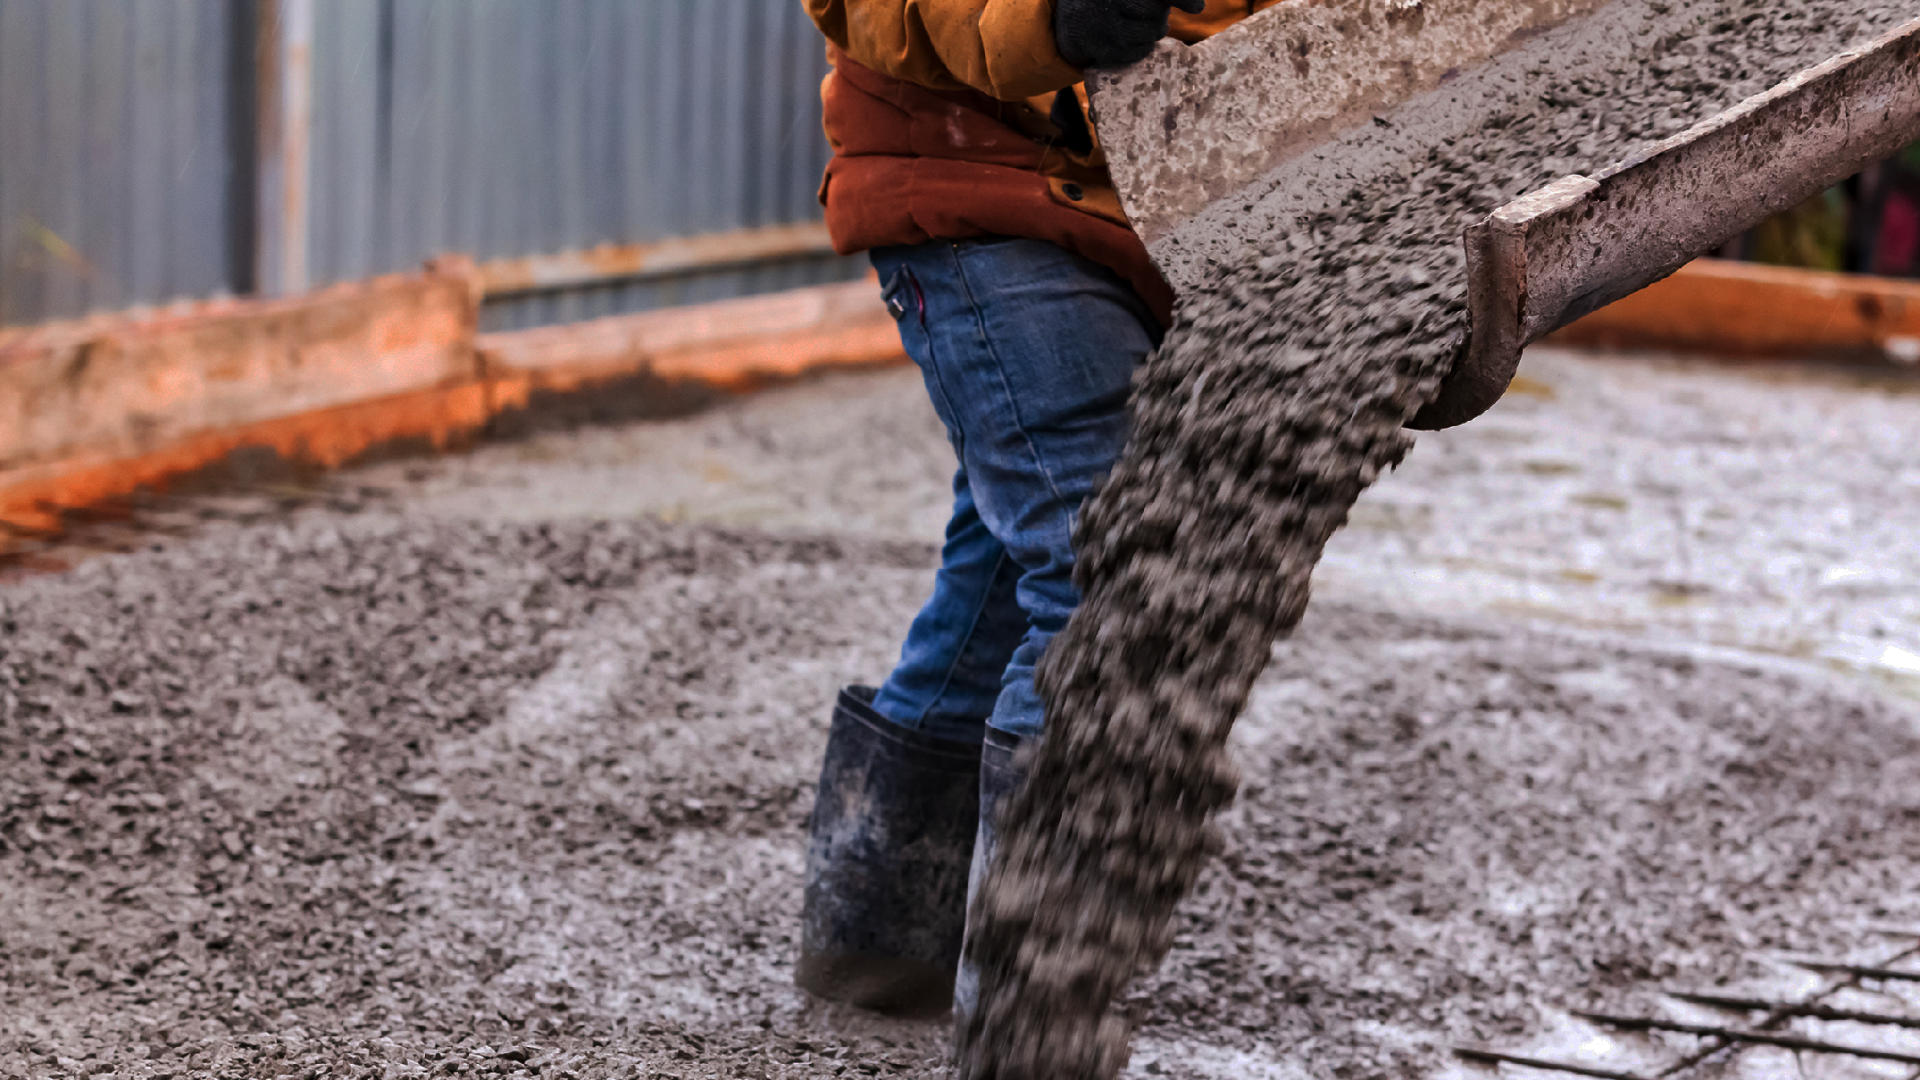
937 382
973 630
1000 369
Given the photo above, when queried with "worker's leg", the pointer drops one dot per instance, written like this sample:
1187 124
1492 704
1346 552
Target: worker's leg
949 673
891 837
1029 354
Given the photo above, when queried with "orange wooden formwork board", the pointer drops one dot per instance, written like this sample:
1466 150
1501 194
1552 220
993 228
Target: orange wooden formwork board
732 344
105 407
94 410
1743 309
34 499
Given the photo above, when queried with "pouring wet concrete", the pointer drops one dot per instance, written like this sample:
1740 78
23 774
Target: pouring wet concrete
1280 395
489 792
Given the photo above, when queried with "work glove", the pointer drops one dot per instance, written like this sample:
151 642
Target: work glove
1112 33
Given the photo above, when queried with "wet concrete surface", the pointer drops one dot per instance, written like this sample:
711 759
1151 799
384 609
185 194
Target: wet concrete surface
512 783
1763 508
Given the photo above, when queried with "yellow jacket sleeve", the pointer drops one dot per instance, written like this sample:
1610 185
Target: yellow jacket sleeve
1002 48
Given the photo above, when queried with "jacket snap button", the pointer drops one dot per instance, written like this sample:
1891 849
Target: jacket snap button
1073 191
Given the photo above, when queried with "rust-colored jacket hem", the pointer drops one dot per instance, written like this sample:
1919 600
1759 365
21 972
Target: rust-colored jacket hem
880 192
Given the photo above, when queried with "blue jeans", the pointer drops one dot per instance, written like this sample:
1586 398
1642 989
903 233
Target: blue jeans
1028 352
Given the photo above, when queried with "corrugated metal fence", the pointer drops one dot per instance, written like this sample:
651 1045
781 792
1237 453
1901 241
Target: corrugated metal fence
117 153
132 140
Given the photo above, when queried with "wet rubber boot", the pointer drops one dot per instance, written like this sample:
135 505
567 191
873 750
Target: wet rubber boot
998 778
890 845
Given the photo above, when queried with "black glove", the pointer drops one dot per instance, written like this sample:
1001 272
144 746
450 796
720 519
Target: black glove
1112 33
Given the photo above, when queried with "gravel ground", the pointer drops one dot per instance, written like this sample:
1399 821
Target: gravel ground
1763 510
513 783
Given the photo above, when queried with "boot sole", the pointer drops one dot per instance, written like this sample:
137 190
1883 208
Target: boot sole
884 984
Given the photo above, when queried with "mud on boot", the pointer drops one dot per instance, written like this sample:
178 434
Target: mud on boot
890 844
998 777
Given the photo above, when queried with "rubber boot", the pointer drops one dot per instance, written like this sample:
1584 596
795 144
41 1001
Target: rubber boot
998 778
890 844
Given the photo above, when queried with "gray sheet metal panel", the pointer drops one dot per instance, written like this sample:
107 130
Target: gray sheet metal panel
491 127
116 124
500 127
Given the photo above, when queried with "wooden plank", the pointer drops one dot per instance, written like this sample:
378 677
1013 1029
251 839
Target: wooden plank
117 387
34 498
730 343
1744 309
94 410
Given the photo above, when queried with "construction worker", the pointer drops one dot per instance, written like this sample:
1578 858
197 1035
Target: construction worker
964 163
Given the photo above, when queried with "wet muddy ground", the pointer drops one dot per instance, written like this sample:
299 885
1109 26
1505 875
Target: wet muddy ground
503 786
1766 509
